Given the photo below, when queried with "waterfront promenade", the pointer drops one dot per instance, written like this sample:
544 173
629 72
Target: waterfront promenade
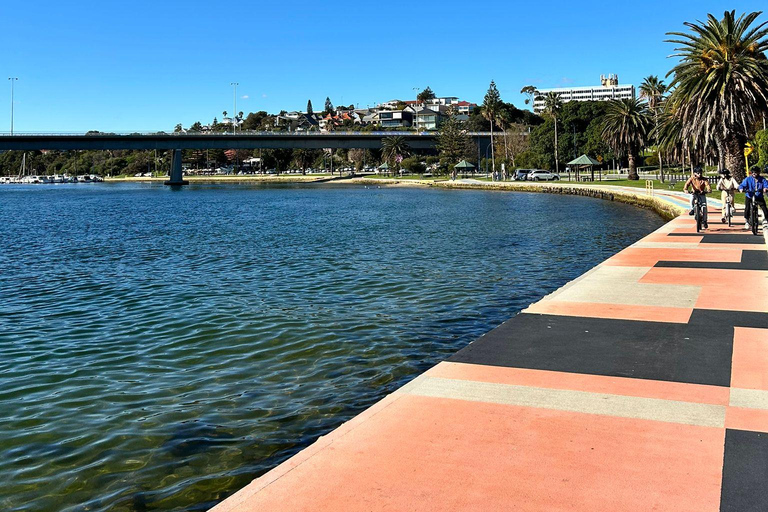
641 385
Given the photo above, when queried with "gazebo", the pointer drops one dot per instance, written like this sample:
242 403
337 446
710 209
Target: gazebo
582 162
384 167
463 166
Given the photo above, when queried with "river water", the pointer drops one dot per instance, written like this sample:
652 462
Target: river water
161 348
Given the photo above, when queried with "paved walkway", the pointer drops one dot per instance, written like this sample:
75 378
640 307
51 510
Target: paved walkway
642 385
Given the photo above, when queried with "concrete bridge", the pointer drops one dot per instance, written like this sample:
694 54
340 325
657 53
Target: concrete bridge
241 140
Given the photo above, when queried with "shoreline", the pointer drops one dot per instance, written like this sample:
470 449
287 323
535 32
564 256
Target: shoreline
640 198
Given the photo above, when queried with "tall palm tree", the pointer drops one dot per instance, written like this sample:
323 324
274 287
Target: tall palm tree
394 148
653 89
552 107
721 82
626 127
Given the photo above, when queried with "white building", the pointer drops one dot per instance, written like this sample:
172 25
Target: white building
609 89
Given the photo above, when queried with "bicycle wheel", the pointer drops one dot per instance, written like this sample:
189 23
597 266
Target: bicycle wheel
697 212
753 218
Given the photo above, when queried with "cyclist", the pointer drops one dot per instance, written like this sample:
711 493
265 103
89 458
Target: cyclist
728 186
754 185
699 190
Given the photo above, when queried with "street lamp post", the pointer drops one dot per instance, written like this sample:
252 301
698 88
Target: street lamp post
12 79
234 112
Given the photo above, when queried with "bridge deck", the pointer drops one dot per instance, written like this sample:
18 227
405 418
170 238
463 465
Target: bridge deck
642 385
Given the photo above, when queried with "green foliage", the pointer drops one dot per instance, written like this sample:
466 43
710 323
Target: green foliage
761 142
453 143
414 165
425 95
720 85
328 106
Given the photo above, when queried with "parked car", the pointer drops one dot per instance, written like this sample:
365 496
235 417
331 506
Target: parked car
521 174
540 175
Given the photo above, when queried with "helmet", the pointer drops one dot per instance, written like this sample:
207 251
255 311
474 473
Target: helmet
755 169
725 172
697 170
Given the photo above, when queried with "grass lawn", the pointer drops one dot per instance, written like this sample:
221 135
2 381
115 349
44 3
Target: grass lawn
406 177
657 185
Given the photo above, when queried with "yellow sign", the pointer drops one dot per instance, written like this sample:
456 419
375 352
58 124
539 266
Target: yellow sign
748 149
600 158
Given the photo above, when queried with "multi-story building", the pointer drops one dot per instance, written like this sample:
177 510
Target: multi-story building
395 118
609 89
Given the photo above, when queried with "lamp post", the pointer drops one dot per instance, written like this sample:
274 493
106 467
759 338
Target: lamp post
12 79
234 112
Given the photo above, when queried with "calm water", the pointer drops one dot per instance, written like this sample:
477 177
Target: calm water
159 349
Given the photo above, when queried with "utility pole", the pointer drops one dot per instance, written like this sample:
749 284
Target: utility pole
234 112
12 79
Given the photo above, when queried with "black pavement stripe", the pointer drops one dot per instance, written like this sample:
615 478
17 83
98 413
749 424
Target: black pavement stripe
717 238
750 260
745 472
698 352
719 319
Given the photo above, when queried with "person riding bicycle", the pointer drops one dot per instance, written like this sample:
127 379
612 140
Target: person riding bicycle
728 187
699 190
754 186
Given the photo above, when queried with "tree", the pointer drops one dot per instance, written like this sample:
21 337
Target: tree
720 86
425 95
491 105
309 108
454 143
531 92
552 107
626 129
653 89
328 106
394 148
178 128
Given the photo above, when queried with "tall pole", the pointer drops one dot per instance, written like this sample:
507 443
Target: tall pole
234 113
12 79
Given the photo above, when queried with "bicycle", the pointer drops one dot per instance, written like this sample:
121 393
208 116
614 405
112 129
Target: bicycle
728 210
700 211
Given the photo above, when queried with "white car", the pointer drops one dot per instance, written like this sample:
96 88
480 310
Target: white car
540 175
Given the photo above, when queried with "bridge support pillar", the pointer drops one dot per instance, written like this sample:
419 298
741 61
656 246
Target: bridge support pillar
176 175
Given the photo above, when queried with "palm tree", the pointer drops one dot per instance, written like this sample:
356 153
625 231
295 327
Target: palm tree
552 107
653 89
626 127
394 149
721 82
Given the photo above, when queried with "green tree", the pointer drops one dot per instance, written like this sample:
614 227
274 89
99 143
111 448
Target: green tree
309 108
531 92
328 106
491 106
653 89
454 143
425 95
720 86
626 129
552 107
393 149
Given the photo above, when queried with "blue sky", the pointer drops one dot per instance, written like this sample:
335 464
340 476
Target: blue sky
140 65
